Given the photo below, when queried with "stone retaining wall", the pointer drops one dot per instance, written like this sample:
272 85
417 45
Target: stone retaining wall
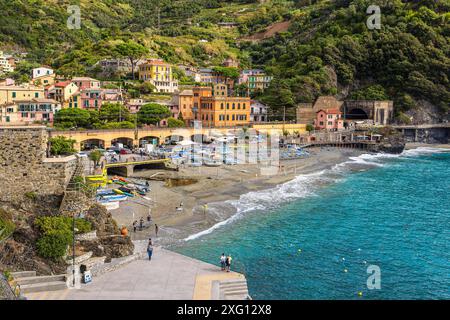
25 170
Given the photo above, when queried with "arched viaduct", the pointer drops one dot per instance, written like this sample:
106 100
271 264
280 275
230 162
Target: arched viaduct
132 137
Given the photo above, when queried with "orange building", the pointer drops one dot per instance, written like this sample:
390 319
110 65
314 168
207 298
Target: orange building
225 111
213 108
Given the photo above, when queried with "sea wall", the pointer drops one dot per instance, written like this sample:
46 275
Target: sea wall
25 170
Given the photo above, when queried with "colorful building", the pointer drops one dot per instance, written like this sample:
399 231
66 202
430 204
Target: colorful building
29 111
41 71
62 92
159 74
255 79
258 111
10 94
91 98
7 63
329 119
225 111
86 83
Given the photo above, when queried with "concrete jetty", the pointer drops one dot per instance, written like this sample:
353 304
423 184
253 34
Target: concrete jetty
169 276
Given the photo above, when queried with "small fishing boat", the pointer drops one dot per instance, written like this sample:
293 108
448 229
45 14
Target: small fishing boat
111 205
211 163
104 192
113 198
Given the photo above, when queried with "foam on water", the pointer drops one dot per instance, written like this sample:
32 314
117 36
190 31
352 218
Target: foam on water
302 186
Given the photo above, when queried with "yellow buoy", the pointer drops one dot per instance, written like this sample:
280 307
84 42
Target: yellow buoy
360 293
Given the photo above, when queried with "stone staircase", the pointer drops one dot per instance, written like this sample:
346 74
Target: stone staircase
232 289
29 282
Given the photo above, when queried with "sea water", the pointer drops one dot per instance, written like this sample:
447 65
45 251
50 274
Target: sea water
321 235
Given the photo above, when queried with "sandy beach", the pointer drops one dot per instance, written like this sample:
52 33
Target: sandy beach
195 187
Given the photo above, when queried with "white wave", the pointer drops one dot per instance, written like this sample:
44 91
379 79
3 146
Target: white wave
302 186
423 151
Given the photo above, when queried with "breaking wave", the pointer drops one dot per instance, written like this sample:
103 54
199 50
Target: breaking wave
302 186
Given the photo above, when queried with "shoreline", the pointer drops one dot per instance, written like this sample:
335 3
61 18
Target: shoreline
217 188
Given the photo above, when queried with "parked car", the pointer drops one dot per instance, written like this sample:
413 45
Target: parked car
114 149
125 151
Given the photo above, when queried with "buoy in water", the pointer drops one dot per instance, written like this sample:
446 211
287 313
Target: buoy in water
360 293
345 270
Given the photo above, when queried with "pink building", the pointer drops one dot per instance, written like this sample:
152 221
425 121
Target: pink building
329 119
37 110
86 83
91 98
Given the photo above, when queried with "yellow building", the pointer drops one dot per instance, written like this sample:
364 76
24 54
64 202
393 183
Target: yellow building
159 74
9 94
8 113
64 93
225 111
44 80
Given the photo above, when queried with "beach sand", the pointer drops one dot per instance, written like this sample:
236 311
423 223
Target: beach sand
212 185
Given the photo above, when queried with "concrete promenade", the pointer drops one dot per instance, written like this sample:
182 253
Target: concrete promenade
169 276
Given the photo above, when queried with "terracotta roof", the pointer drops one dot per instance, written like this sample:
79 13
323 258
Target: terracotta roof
156 61
62 84
330 111
84 79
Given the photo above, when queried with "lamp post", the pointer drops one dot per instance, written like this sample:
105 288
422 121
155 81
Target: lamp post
73 248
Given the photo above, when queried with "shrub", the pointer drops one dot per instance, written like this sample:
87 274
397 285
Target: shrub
31 195
54 244
7 226
56 234
61 146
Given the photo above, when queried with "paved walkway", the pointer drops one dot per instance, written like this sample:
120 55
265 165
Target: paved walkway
169 276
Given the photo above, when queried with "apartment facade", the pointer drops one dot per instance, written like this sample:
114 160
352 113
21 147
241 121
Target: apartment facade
63 92
258 111
225 111
7 63
329 119
86 83
29 111
159 74
255 79
42 71
10 94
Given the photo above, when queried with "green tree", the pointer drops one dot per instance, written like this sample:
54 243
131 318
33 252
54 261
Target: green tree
228 72
72 117
113 112
131 50
95 156
61 146
152 113
175 123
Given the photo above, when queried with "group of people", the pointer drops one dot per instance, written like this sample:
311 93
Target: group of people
141 224
225 262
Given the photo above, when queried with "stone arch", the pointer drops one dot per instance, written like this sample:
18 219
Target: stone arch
356 114
173 138
149 140
200 138
124 140
90 144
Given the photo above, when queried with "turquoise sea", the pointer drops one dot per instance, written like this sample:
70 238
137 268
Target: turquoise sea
314 237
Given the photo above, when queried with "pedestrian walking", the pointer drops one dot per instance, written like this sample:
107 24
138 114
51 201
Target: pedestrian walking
149 218
135 225
141 224
156 229
223 259
228 263
150 249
